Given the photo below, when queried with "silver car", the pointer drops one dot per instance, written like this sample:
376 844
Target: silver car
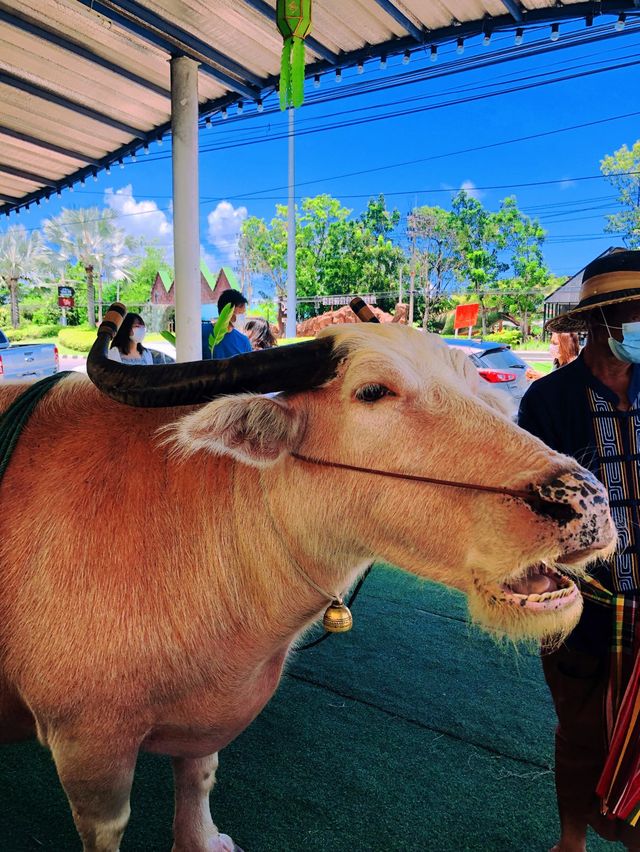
496 363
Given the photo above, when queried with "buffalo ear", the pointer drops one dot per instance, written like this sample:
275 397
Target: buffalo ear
256 430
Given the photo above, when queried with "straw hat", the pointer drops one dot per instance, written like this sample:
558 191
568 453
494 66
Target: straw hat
607 280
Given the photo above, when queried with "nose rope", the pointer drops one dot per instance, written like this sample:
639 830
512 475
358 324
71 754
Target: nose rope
527 496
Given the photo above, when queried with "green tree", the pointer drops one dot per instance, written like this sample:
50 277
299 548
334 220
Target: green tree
335 254
524 291
322 237
480 240
622 169
435 257
136 290
91 237
263 249
24 259
378 220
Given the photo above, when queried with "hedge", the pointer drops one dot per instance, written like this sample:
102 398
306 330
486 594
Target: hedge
78 339
32 332
512 337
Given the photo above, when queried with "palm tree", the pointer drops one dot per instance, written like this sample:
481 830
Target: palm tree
91 237
116 266
23 257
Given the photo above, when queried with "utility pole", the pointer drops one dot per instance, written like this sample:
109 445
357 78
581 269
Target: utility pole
412 279
426 289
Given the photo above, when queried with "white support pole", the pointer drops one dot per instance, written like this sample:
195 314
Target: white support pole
186 210
290 329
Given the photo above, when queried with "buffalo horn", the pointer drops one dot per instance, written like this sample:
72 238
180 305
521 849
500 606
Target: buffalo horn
299 366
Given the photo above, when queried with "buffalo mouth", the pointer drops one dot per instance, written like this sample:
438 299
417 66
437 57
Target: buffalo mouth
539 589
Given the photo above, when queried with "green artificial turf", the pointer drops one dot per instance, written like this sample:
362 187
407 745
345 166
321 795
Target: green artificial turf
413 733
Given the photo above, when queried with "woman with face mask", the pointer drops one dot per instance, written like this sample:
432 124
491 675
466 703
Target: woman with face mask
127 345
564 347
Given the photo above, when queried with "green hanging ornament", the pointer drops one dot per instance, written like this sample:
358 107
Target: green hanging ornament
294 24
221 327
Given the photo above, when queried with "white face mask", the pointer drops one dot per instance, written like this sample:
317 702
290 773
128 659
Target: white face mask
240 321
137 334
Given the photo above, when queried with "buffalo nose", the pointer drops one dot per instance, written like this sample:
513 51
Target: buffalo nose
578 503
572 495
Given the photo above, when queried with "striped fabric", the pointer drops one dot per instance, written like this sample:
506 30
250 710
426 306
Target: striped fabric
617 440
617 436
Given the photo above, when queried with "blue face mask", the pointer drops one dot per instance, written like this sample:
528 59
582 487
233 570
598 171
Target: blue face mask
627 349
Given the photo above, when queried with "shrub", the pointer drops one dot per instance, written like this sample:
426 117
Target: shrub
511 337
46 316
32 332
447 328
77 338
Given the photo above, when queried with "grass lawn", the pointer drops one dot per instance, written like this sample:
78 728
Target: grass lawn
541 366
413 733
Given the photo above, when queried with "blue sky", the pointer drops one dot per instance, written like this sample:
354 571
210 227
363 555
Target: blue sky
243 161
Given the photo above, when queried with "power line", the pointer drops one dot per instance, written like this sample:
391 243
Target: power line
433 157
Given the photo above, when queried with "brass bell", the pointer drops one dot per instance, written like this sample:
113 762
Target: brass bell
337 618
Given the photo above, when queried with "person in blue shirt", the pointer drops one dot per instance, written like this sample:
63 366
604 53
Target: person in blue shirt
234 342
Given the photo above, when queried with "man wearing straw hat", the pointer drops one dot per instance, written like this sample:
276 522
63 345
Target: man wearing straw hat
590 409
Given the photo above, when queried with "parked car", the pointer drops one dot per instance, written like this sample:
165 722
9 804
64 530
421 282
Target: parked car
496 363
27 360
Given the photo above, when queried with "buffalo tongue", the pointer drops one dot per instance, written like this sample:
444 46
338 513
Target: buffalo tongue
536 582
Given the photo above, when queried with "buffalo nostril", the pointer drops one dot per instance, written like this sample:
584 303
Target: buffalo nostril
561 512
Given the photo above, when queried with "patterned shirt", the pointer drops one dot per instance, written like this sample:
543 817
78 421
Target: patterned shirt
574 413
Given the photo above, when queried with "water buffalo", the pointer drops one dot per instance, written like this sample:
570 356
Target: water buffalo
135 610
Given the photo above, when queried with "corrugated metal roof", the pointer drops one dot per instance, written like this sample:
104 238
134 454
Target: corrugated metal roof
166 278
207 274
230 276
84 83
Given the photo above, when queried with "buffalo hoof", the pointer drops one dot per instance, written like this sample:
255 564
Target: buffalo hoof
228 844
222 843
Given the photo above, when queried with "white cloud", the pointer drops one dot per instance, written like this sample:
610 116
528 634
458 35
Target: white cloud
141 219
470 188
210 259
567 183
223 230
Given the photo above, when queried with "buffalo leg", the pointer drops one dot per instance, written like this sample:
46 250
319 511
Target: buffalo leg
193 827
97 779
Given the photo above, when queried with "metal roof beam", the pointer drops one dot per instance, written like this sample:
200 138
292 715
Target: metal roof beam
161 33
316 46
60 41
514 8
8 199
401 19
395 46
47 146
20 173
51 97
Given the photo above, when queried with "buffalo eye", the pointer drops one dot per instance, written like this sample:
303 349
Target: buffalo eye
372 393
